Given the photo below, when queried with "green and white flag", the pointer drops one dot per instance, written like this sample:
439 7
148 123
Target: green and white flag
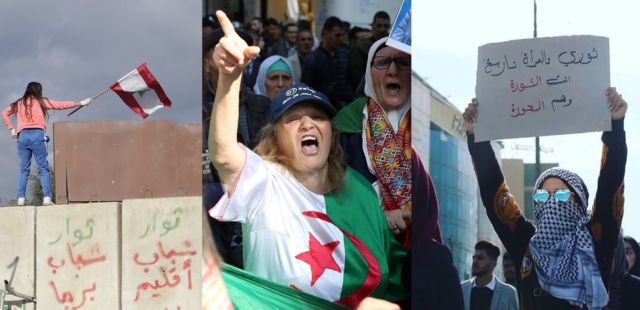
336 247
248 291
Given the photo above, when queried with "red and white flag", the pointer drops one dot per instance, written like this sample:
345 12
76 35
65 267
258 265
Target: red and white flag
140 90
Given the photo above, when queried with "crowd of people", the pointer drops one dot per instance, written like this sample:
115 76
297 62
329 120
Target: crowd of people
313 182
315 164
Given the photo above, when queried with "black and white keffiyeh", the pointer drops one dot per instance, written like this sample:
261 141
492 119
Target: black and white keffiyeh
562 248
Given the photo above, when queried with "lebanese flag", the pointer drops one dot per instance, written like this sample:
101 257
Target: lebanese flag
140 90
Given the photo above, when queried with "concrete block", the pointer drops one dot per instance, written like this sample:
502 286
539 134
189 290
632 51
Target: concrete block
161 160
77 256
162 253
17 257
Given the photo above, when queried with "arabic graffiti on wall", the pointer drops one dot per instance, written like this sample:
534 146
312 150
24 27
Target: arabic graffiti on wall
77 260
161 255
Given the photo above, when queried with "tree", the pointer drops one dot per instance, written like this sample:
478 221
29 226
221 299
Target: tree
35 189
35 195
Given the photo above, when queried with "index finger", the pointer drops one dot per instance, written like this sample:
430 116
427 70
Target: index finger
225 23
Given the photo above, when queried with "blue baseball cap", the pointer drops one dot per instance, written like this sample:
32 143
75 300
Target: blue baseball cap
298 93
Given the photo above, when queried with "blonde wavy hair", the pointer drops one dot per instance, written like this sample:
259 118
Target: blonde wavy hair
268 149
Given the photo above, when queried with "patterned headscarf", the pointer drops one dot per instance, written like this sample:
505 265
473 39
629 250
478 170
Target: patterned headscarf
562 248
260 88
387 136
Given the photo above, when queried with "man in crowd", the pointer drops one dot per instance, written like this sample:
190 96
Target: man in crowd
325 68
357 35
508 269
304 44
273 28
485 291
256 25
286 45
358 57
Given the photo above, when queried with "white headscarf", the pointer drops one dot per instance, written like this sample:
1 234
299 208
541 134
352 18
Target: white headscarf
260 88
394 116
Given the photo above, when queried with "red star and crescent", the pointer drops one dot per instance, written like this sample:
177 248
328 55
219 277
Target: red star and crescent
319 257
373 276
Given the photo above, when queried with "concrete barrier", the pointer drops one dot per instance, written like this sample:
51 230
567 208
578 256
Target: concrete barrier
77 262
162 253
17 251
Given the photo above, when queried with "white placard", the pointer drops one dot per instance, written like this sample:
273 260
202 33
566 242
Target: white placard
542 86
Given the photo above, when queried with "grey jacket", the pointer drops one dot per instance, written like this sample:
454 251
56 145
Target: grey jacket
504 296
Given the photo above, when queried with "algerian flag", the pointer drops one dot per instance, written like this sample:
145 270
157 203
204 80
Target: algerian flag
248 291
337 246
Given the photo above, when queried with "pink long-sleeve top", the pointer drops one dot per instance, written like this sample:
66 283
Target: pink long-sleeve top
37 115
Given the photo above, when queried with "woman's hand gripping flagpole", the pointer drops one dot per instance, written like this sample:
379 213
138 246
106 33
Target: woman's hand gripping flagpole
87 101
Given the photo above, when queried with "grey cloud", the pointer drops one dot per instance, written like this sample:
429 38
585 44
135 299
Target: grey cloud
77 48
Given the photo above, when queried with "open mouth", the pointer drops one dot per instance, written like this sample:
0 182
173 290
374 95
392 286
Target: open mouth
393 88
310 145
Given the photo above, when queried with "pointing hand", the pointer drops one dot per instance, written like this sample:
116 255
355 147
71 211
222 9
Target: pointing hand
232 53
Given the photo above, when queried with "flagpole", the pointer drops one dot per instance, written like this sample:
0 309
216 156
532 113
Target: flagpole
102 92
535 35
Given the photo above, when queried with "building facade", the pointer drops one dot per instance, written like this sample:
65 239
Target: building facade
438 134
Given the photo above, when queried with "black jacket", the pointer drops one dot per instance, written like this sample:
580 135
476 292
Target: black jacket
515 231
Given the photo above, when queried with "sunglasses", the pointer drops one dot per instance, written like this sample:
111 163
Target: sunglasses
561 195
384 62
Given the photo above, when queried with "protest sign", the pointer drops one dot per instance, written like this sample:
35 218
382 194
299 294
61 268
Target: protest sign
542 86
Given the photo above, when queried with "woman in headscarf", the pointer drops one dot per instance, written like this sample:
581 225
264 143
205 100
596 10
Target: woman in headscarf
31 113
623 285
564 261
275 74
632 250
309 222
376 138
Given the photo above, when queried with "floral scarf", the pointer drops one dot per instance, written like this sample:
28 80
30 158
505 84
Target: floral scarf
390 155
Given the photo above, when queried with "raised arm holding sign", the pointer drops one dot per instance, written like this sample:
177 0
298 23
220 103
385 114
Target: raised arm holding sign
567 252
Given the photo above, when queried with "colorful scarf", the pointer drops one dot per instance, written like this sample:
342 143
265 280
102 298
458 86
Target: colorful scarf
390 155
562 248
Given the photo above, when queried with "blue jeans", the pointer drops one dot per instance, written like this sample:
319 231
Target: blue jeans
31 142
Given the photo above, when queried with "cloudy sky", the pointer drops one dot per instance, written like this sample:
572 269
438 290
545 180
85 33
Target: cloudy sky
77 48
448 52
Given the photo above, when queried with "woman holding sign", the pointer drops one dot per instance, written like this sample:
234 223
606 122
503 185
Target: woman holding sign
309 223
31 114
565 259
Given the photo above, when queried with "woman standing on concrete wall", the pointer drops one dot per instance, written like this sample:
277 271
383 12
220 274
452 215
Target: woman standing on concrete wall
31 114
